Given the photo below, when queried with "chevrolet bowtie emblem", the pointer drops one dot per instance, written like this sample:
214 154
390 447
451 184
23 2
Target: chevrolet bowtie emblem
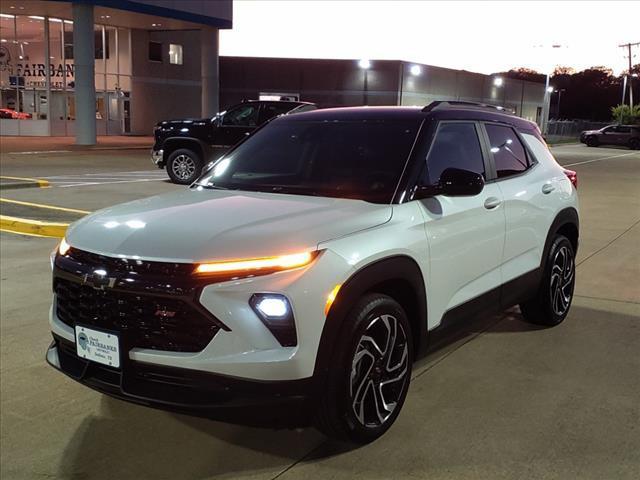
98 282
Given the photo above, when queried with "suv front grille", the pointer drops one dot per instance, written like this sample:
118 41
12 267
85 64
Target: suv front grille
142 313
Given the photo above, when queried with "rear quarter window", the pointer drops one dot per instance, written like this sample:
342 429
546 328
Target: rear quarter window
509 155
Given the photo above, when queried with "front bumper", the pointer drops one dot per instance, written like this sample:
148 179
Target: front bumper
157 157
178 389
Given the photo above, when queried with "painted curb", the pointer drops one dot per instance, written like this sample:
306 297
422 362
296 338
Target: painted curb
32 227
23 182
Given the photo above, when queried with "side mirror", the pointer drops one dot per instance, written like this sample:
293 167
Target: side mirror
454 182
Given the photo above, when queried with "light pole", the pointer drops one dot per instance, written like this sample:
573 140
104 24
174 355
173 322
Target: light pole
633 75
546 105
365 65
547 95
559 92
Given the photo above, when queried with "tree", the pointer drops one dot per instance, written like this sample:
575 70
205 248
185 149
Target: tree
523 73
563 71
626 115
587 95
634 69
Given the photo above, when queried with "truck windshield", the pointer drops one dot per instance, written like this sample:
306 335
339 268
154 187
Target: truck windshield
346 159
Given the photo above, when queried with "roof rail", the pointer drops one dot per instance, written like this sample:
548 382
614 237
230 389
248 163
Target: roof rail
435 105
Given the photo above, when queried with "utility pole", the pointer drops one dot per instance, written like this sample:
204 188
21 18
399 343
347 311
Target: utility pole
628 47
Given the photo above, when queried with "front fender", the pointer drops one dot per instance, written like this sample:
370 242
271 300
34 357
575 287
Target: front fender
401 269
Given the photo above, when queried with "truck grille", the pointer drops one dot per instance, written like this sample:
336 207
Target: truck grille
143 314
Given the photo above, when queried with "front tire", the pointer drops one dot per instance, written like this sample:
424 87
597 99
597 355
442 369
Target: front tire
552 302
369 383
592 142
634 144
184 166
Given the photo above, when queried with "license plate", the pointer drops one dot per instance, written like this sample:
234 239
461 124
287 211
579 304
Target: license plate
97 346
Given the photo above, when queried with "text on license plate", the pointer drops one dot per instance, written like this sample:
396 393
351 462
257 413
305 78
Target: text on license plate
97 346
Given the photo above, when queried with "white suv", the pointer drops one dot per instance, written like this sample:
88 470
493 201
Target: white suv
313 262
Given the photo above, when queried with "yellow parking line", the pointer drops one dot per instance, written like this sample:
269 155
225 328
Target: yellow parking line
41 183
33 227
22 233
40 205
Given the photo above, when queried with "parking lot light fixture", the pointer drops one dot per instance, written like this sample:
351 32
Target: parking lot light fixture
498 81
365 64
415 70
550 89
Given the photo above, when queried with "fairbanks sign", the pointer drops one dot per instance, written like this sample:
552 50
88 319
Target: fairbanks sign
39 69
34 74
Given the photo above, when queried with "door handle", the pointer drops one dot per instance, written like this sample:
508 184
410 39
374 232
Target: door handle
491 203
547 188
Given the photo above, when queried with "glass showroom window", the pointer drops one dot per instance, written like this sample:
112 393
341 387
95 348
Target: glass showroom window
175 54
8 56
24 95
37 76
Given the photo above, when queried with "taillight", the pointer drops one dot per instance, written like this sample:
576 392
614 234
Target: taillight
573 176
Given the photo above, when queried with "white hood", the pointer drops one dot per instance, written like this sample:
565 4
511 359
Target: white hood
199 225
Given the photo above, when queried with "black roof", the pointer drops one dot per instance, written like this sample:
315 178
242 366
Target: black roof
297 102
441 111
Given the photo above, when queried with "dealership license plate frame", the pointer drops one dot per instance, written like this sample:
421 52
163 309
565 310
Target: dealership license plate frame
99 355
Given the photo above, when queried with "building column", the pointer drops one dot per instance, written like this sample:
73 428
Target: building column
84 69
209 71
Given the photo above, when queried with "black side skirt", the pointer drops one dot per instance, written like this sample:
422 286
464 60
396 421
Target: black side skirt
494 301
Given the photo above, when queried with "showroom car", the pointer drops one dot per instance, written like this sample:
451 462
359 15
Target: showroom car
13 114
311 263
185 146
622 135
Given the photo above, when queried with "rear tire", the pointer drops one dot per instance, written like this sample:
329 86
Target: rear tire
634 144
592 142
368 385
552 301
184 166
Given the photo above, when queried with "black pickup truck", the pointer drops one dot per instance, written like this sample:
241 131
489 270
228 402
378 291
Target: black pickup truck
185 146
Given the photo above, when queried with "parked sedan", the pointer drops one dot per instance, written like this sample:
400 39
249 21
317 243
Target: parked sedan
625 135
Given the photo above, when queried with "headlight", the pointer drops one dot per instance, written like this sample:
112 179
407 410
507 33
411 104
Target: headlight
64 247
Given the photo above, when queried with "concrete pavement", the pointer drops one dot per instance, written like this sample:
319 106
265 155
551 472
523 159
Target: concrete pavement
503 399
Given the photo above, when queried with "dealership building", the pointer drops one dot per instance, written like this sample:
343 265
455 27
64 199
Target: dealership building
116 67
106 67
333 83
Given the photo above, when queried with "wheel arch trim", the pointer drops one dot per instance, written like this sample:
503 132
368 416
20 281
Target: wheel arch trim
400 268
567 216
183 142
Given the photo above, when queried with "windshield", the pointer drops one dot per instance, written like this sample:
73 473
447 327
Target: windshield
347 159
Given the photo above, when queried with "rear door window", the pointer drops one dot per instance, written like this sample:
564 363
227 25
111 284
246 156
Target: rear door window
270 110
242 116
509 155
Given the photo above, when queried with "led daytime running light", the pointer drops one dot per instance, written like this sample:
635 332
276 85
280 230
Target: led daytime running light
282 262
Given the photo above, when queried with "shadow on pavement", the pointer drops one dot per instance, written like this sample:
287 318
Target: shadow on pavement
129 441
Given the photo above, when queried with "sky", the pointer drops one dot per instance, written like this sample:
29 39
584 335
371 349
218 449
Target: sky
483 37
